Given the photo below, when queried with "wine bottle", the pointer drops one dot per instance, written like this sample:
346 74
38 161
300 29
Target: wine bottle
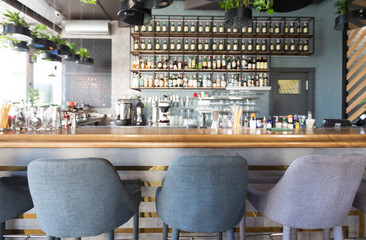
286 46
193 27
264 28
300 48
271 46
214 45
150 27
149 45
186 45
193 45
172 45
179 27
200 45
221 45
299 29
257 46
292 28
165 45
185 29
264 46
221 28
286 28
142 44
228 45
250 45
164 28
271 28
235 46
207 27
200 28
172 27
204 63
306 46
157 44
179 45
214 28
136 28
243 47
257 30
223 62
278 45
207 46
136 45
143 28
277 28
250 28
305 29
157 27
209 63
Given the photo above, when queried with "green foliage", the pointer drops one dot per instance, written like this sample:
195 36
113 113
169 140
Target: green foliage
72 47
230 4
342 6
94 2
36 54
14 18
264 5
40 31
83 52
33 96
57 39
6 41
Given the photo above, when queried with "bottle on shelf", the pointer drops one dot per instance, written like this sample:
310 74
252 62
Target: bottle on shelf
292 46
179 27
142 44
305 29
193 45
214 45
214 27
223 62
258 63
253 63
185 28
209 63
299 28
257 46
221 45
286 48
277 28
264 27
179 45
170 81
204 63
245 82
165 80
164 29
206 46
266 82
243 47
292 28
207 27
157 27
172 27
218 63
150 27
271 28
186 45
200 45
228 30
193 27
235 46
165 45
193 63
165 63
186 64
223 81
238 63
235 30
136 45
153 63
214 63
257 29
157 44
244 29
264 45
249 63
228 64
172 44
306 46
200 27
278 45
228 45
286 28
136 28
199 62
271 46
143 28
244 62
180 80
149 45
160 63
265 63
221 28
180 64
170 64
250 45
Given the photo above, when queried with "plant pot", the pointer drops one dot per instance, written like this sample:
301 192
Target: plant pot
72 58
20 46
153 3
17 32
61 50
290 5
50 57
134 14
43 44
85 61
351 20
238 17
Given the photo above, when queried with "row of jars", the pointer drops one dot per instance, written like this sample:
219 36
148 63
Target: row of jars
222 45
263 27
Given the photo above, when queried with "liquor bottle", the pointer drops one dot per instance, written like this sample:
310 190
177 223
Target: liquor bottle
165 45
206 46
157 27
185 29
244 29
264 46
277 28
264 28
245 82
209 63
160 63
221 45
200 27
214 63
306 46
300 48
165 63
253 63
150 27
186 45
179 45
149 45
258 63
286 46
193 63
143 28
172 45
221 28
218 81
292 28
261 81
243 47
180 64
257 84
286 28
271 28
200 45
214 45
172 27
179 27
142 64
207 27
278 45
136 45
193 45
271 46
233 63
228 64
205 81
235 30
153 63
265 78
305 29
193 27
170 82
186 64
214 28
151 84
250 45
142 44
257 46
135 63
175 63
249 63
223 81
156 81
223 62
204 63
238 63
165 80
257 29
292 46
244 62
164 28
228 45
265 62
298 29
175 81
199 62
180 80
235 46
218 63
228 30
136 28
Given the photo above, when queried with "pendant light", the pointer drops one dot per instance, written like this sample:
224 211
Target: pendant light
153 3
133 14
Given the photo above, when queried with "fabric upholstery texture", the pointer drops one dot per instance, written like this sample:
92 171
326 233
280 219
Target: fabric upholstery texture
315 192
203 193
80 197
360 198
15 198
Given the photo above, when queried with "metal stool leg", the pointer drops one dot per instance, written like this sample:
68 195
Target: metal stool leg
242 228
326 233
219 236
136 226
230 234
293 234
175 234
77 238
165 231
50 237
286 233
109 235
338 233
2 230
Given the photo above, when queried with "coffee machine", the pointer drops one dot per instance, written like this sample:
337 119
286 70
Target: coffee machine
122 114
164 111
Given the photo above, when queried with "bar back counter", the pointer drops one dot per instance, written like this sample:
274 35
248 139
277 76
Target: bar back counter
145 154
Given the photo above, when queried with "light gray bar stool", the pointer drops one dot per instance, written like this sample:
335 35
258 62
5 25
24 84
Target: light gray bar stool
203 194
316 191
360 200
15 199
75 198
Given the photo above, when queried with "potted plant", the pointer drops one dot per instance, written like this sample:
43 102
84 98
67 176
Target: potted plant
16 26
73 57
62 49
238 14
7 41
84 56
93 2
41 38
346 15
264 5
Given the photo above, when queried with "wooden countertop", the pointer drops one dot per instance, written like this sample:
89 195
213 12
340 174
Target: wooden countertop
185 138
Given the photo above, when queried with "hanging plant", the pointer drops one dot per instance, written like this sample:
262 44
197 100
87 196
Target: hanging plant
15 26
264 6
72 47
83 52
84 57
238 14
94 2
62 49
230 4
14 18
42 38
342 6
348 18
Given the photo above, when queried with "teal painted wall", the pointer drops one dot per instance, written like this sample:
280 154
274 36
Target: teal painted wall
327 59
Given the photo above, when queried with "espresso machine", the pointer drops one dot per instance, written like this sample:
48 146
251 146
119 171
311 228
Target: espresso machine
122 114
164 111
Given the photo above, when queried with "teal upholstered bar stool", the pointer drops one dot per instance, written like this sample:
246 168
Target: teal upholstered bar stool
15 199
75 198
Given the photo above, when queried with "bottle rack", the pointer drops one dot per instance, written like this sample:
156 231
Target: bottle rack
226 36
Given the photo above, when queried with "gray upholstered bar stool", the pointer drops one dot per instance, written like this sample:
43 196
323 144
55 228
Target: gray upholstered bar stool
203 194
15 199
315 192
81 197
360 199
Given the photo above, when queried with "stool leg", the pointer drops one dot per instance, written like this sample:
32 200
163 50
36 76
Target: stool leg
293 234
338 233
242 228
50 237
136 226
175 234
77 238
219 236
109 235
165 231
326 233
286 233
2 230
230 234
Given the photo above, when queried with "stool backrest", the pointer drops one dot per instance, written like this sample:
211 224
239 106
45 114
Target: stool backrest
77 197
204 193
316 191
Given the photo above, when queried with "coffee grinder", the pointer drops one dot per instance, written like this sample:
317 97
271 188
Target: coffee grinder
164 111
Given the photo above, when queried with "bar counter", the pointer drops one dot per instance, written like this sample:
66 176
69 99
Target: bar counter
102 137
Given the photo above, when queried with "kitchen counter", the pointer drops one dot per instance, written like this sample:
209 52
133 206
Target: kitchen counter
147 137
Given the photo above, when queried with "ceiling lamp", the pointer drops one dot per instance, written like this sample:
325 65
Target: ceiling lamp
134 14
153 3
